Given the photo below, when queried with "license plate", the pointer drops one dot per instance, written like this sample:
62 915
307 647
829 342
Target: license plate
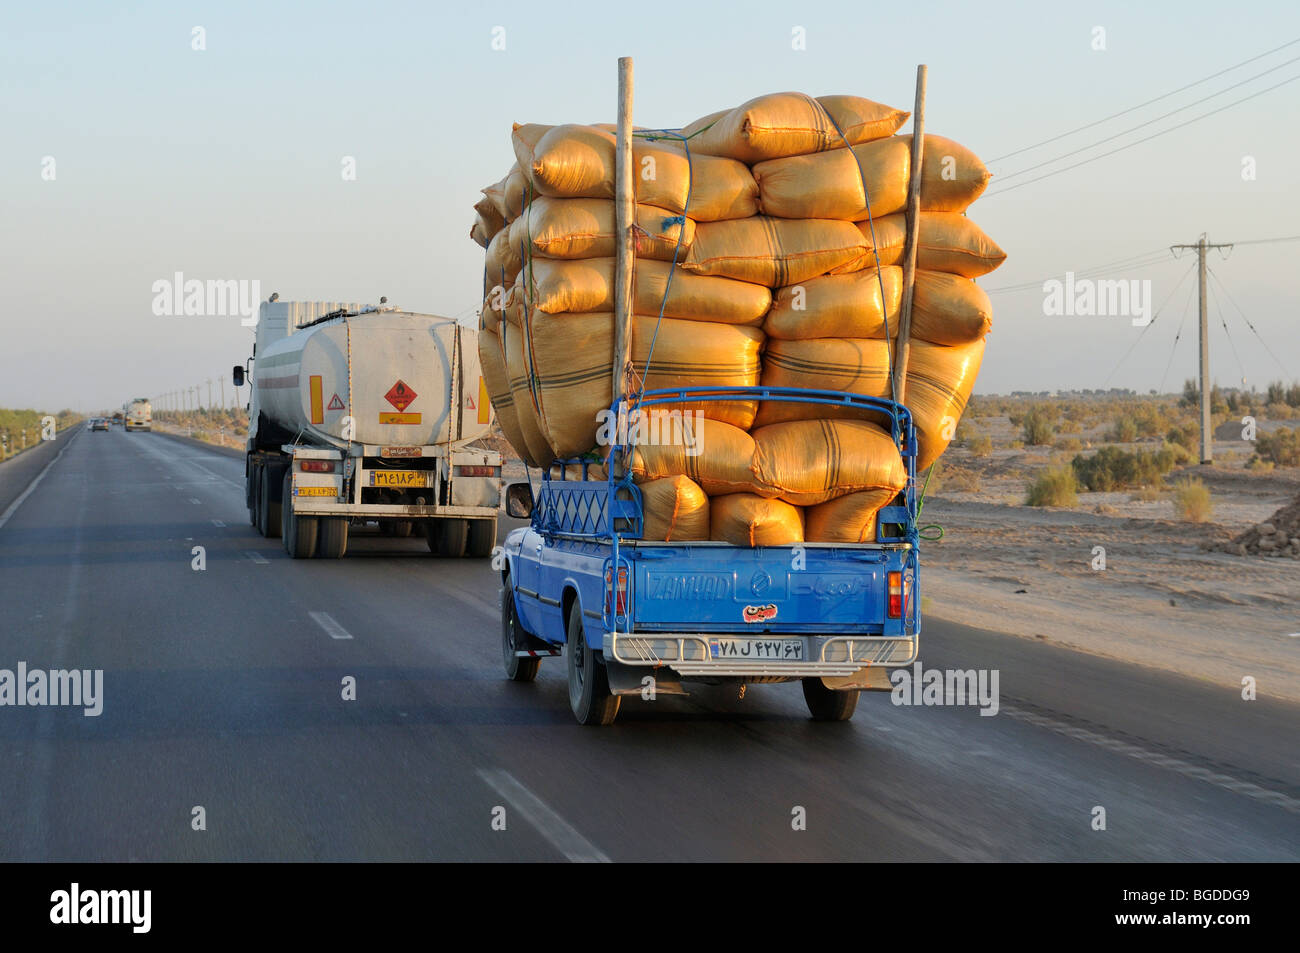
315 491
400 478
771 650
400 452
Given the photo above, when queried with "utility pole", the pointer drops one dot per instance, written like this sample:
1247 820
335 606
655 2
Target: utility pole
209 382
221 382
1207 435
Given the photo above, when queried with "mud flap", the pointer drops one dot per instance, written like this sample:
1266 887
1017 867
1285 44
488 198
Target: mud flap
872 678
632 680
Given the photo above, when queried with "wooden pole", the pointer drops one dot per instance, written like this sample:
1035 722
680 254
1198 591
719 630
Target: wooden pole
624 245
913 228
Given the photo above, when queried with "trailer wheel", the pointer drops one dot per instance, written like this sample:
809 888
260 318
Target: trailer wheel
252 494
589 695
482 537
448 537
402 529
332 536
297 532
268 506
826 704
512 636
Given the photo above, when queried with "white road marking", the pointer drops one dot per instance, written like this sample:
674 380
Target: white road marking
13 507
1185 768
192 500
257 557
550 825
218 523
327 622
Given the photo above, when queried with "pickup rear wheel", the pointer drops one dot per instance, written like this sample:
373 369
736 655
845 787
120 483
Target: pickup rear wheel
826 704
512 636
589 694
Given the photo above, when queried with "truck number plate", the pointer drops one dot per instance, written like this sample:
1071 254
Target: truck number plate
400 478
775 650
315 491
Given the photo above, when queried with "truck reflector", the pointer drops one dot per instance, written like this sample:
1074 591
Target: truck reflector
474 471
318 466
317 400
620 605
484 402
895 595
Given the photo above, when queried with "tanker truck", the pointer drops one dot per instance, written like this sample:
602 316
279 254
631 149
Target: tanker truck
138 414
364 415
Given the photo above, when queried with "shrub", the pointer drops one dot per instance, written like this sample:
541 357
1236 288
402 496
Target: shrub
1068 444
980 445
1124 431
1186 437
1037 427
1112 469
1055 486
1016 445
1192 501
1281 448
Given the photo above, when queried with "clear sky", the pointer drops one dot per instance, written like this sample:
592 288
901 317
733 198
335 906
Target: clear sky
225 163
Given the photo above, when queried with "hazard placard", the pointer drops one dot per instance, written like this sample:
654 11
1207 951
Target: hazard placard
400 395
335 403
388 418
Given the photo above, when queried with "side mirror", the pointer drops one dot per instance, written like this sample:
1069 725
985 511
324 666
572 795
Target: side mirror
237 375
519 500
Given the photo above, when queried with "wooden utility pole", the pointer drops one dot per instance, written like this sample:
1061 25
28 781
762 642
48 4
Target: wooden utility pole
913 229
624 241
1207 434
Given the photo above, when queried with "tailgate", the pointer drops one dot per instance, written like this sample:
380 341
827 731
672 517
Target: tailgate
769 589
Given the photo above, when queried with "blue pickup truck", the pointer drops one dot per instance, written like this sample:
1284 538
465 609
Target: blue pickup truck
637 617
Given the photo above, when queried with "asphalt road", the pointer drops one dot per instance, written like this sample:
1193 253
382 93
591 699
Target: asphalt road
223 690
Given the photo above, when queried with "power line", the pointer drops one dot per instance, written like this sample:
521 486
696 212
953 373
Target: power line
1131 262
1154 317
1229 296
1148 122
1124 112
1174 350
1232 344
1138 142
1270 241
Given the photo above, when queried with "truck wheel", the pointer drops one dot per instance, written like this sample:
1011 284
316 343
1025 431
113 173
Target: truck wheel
512 635
482 537
402 529
826 704
332 536
448 537
268 508
298 532
589 695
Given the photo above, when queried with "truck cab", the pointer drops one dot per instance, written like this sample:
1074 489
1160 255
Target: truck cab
637 617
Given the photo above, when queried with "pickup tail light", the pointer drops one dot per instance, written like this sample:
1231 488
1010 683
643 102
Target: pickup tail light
318 466
474 471
895 595
619 602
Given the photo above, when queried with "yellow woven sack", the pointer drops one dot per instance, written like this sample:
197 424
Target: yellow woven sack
539 451
776 251
584 228
939 384
675 509
714 454
948 241
699 354
744 519
856 365
949 309
850 519
807 462
837 306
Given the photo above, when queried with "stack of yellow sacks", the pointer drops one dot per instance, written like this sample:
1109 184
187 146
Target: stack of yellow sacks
775 282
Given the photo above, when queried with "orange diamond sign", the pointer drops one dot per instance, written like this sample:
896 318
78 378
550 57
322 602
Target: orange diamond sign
400 395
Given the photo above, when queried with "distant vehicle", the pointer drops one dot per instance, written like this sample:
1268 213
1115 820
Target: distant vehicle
99 423
119 418
362 414
138 414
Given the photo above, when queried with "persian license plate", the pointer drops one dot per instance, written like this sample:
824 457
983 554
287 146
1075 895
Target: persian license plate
768 650
400 478
315 491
